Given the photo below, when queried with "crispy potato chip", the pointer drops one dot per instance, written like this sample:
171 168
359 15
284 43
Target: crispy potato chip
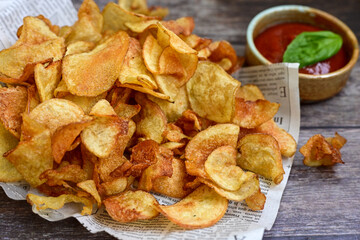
319 152
34 31
173 186
13 102
61 90
223 50
144 90
211 92
15 59
151 53
115 186
79 47
86 103
90 187
191 123
200 147
134 70
115 17
66 172
183 26
162 167
47 79
173 145
260 153
101 136
173 110
8 172
89 24
337 142
250 114
102 108
221 168
92 73
151 120
201 208
42 203
131 206
32 155
55 113
63 138
256 202
196 42
140 6
247 189
126 110
250 92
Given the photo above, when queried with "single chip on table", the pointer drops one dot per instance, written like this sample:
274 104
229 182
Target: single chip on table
131 206
201 208
260 153
319 151
201 146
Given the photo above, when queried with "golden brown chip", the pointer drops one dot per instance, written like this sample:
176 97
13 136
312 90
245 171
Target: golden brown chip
151 53
221 168
8 172
144 90
211 92
200 147
126 110
260 153
131 206
201 208
337 142
90 187
13 102
251 114
47 79
32 155
86 103
79 47
256 201
151 120
247 189
42 203
89 24
92 73
173 186
115 186
183 26
55 113
63 138
102 108
66 172
319 152
140 6
223 50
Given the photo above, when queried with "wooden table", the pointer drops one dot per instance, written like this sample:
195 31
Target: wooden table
318 203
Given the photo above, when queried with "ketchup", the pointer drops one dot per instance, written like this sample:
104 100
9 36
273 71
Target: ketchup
273 42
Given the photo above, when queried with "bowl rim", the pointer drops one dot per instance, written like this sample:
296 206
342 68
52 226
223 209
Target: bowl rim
301 8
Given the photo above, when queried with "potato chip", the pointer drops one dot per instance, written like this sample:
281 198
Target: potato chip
13 102
92 73
256 202
63 138
221 168
90 187
183 26
101 136
201 208
250 114
250 186
126 110
86 103
337 142
200 147
140 6
115 17
8 172
151 120
161 167
79 47
134 70
260 153
173 145
102 108
89 24
151 53
319 152
32 155
47 79
131 206
211 92
42 203
221 50
173 186
115 186
144 90
55 113
66 172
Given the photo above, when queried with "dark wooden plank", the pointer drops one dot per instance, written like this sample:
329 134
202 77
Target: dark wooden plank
318 203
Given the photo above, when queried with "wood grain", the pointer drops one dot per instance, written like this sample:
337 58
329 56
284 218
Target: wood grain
318 203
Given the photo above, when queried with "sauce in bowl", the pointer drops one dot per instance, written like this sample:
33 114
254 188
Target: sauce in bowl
273 42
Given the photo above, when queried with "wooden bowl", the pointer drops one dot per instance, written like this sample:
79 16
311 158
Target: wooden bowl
312 87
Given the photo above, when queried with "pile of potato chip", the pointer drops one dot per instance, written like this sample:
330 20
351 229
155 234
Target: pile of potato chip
122 104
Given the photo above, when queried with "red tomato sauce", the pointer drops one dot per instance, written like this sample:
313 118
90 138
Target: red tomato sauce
273 42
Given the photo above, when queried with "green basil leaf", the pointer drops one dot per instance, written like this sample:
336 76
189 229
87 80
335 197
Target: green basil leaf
312 47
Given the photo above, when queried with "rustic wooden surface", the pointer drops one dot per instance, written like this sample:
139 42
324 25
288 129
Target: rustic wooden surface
318 203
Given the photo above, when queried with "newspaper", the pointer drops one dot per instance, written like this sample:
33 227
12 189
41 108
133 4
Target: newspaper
279 83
